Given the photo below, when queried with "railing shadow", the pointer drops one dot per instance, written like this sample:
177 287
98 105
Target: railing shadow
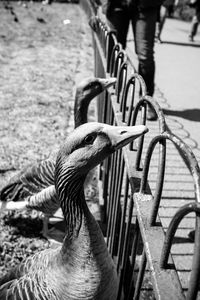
181 44
188 114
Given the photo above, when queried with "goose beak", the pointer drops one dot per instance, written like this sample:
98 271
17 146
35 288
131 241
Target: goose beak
120 136
107 82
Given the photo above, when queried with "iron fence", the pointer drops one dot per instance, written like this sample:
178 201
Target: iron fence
135 237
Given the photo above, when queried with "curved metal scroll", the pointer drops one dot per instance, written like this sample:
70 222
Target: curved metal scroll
195 273
112 61
161 170
131 84
121 57
110 42
118 61
189 159
121 82
102 34
141 106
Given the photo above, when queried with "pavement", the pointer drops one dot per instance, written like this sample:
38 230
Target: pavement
178 93
178 79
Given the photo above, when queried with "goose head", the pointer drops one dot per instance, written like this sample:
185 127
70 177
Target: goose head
89 144
84 149
87 90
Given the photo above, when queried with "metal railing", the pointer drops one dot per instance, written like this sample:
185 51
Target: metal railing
134 233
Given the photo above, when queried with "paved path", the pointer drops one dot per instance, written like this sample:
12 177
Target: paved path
178 79
178 93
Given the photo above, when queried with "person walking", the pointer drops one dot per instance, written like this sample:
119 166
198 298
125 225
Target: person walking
166 10
195 20
142 14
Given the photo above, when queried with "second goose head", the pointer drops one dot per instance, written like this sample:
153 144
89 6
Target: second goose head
86 91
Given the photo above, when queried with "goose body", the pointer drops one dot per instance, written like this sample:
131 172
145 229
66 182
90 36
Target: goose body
81 268
84 270
35 184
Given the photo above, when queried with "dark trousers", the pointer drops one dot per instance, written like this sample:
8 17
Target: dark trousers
143 24
195 24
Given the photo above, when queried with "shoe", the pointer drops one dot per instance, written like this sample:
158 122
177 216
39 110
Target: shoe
191 38
151 114
46 2
158 40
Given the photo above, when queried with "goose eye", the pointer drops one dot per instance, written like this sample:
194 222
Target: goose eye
89 139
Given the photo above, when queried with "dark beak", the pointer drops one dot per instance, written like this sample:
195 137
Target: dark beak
107 82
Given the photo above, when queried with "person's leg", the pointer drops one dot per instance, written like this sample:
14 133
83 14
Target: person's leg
144 24
198 19
170 10
118 20
163 15
193 29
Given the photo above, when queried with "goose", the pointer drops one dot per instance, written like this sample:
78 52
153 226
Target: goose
80 268
33 187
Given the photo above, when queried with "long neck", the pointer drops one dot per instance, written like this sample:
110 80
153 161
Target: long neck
80 110
69 187
84 259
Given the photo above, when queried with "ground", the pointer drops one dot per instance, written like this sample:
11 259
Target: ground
44 52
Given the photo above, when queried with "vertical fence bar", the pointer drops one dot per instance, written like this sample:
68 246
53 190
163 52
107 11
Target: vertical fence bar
110 196
140 276
117 216
132 260
110 43
113 199
125 256
123 223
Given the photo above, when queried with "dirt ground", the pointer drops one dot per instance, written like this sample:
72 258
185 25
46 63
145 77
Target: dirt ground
44 51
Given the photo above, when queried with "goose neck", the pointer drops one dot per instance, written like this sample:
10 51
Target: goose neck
80 111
